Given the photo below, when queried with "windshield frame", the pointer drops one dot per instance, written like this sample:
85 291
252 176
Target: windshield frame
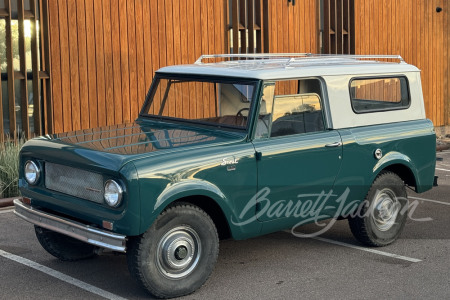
205 78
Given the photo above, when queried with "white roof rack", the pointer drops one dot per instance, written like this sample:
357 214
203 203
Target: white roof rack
296 58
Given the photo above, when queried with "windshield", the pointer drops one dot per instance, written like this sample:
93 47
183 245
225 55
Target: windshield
215 102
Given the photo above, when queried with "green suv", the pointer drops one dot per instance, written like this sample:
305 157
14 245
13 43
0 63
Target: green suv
234 146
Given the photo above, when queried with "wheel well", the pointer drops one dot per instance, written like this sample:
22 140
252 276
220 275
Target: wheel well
404 173
213 210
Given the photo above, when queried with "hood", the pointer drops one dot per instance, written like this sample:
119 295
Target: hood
140 137
112 146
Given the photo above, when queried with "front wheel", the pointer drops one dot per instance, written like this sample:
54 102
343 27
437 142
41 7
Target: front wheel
177 254
381 217
62 246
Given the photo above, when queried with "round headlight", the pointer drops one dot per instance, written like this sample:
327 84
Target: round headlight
113 193
32 172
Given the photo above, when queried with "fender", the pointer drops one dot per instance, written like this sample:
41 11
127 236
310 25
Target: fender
393 158
198 187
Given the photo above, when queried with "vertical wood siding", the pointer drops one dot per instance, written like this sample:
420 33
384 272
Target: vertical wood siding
338 27
34 102
413 29
248 21
293 28
104 53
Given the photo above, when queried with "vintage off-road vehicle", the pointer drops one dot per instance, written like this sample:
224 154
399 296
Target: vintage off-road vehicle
237 146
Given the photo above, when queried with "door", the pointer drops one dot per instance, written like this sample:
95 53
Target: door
298 158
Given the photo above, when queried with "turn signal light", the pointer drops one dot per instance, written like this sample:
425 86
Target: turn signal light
107 225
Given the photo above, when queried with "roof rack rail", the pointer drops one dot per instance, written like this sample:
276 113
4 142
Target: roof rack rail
362 56
253 55
292 57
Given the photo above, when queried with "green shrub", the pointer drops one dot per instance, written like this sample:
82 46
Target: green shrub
9 168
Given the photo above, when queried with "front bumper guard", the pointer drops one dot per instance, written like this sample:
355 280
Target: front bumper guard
79 231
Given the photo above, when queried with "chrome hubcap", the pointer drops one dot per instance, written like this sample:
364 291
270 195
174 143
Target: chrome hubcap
178 252
385 209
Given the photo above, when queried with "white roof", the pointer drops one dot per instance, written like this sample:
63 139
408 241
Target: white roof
282 66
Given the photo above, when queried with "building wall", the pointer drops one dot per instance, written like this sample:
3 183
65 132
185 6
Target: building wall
293 28
413 29
104 53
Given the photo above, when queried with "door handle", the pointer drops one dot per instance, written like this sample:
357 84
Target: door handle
258 155
335 144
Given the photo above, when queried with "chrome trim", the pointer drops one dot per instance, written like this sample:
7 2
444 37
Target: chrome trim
120 192
385 209
85 233
335 144
378 154
38 172
178 252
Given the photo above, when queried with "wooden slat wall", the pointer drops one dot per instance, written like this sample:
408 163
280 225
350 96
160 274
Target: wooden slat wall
104 53
249 22
413 29
40 69
10 70
293 28
23 71
338 35
446 85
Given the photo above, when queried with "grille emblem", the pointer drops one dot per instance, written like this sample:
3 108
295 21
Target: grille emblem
92 190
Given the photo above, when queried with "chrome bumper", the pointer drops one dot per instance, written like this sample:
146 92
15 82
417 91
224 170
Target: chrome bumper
85 233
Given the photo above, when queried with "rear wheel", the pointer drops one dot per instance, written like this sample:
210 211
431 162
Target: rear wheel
381 218
177 254
62 246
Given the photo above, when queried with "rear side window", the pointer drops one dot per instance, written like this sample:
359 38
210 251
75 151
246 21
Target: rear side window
379 94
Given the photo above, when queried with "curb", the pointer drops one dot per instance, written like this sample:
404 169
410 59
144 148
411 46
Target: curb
7 202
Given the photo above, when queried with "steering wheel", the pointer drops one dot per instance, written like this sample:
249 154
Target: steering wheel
239 113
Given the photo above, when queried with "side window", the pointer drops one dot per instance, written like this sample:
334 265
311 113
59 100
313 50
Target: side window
294 114
379 94
290 107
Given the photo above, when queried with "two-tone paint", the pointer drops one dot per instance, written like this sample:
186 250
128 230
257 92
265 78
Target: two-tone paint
159 162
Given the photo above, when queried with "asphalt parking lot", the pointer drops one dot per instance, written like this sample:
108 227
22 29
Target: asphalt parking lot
275 266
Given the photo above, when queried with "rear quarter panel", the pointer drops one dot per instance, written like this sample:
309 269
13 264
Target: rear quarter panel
411 143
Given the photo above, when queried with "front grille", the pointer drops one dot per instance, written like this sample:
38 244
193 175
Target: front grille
74 182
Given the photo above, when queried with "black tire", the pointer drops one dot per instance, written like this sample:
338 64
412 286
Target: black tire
169 240
62 246
381 217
